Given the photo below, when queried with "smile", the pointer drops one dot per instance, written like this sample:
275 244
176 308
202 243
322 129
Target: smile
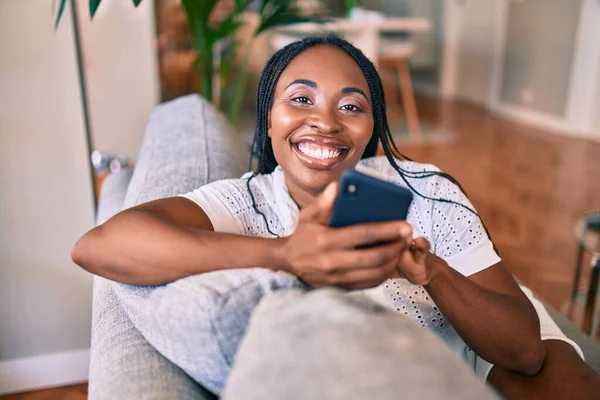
320 154
318 151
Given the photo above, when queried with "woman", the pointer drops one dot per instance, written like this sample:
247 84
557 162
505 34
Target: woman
321 110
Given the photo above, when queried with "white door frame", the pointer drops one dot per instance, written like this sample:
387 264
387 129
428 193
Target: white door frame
585 72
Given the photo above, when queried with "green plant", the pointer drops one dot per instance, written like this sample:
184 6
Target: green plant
219 39
349 5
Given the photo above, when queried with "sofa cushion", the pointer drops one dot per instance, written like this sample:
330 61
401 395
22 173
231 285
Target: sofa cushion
198 322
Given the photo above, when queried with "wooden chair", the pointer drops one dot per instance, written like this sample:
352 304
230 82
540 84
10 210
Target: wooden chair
397 53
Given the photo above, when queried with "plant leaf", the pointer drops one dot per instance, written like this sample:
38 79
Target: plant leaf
239 85
94 7
280 13
227 58
241 5
227 27
61 9
136 2
198 12
349 5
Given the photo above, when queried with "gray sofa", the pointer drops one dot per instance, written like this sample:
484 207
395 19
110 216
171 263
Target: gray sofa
187 144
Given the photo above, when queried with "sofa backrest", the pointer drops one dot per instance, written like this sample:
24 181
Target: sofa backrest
188 143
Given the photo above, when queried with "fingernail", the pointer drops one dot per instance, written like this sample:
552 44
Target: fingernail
405 230
330 190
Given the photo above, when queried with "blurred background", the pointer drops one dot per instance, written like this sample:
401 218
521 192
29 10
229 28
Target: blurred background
504 95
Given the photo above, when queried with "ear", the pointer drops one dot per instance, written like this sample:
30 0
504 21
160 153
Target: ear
269 124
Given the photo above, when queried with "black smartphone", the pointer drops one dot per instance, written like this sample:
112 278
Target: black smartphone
363 199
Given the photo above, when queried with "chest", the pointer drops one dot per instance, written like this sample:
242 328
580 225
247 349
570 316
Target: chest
275 220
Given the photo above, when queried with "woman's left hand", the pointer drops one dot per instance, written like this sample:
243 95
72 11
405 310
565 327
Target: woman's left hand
417 264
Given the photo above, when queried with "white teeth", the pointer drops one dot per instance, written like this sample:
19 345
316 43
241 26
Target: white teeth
316 151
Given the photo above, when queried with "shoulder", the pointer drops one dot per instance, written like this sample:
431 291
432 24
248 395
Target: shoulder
237 187
417 177
422 179
383 165
227 201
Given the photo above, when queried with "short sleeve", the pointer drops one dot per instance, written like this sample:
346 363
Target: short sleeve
219 200
458 233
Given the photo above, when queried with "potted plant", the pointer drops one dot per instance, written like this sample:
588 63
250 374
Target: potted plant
211 40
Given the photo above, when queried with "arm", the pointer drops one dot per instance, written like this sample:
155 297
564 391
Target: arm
491 314
473 289
162 241
169 239
564 376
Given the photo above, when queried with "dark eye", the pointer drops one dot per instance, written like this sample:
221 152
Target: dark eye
351 107
301 99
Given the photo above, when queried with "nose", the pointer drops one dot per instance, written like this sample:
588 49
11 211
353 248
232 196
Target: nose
324 121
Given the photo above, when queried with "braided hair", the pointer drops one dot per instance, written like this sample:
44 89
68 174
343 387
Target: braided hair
262 149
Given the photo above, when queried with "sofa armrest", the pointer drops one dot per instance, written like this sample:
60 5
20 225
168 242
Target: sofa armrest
113 194
187 144
123 365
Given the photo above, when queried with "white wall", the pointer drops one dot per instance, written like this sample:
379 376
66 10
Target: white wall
541 38
428 46
121 72
596 123
476 27
596 108
45 194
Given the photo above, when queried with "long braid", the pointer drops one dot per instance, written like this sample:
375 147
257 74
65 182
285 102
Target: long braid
261 146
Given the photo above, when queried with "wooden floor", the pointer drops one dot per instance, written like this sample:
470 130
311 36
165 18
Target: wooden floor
75 392
530 186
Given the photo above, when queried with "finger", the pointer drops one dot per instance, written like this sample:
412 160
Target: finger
373 233
320 210
366 277
421 248
373 257
401 275
326 201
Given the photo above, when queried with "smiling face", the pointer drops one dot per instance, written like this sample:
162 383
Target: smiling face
321 120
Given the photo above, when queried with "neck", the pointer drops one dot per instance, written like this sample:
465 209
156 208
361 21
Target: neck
301 197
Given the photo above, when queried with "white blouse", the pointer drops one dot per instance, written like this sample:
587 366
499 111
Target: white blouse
456 235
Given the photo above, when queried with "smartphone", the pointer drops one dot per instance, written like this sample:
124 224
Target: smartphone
363 199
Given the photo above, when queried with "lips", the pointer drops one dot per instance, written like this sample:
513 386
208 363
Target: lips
320 153
315 150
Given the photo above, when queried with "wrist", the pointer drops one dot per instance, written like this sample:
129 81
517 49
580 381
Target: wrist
437 268
278 260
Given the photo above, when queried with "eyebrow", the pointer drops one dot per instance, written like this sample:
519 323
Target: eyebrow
306 82
349 90
313 84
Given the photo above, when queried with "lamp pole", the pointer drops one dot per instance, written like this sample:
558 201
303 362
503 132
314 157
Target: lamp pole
84 98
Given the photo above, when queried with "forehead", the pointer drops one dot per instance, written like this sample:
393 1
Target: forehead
325 65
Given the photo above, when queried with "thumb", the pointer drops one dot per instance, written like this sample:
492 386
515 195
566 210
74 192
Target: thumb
327 197
421 248
323 205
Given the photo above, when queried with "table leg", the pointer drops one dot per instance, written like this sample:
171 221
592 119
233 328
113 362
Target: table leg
577 274
408 99
590 318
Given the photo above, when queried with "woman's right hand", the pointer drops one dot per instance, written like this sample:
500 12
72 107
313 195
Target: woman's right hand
324 256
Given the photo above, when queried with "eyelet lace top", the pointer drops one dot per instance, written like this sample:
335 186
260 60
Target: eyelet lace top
456 235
